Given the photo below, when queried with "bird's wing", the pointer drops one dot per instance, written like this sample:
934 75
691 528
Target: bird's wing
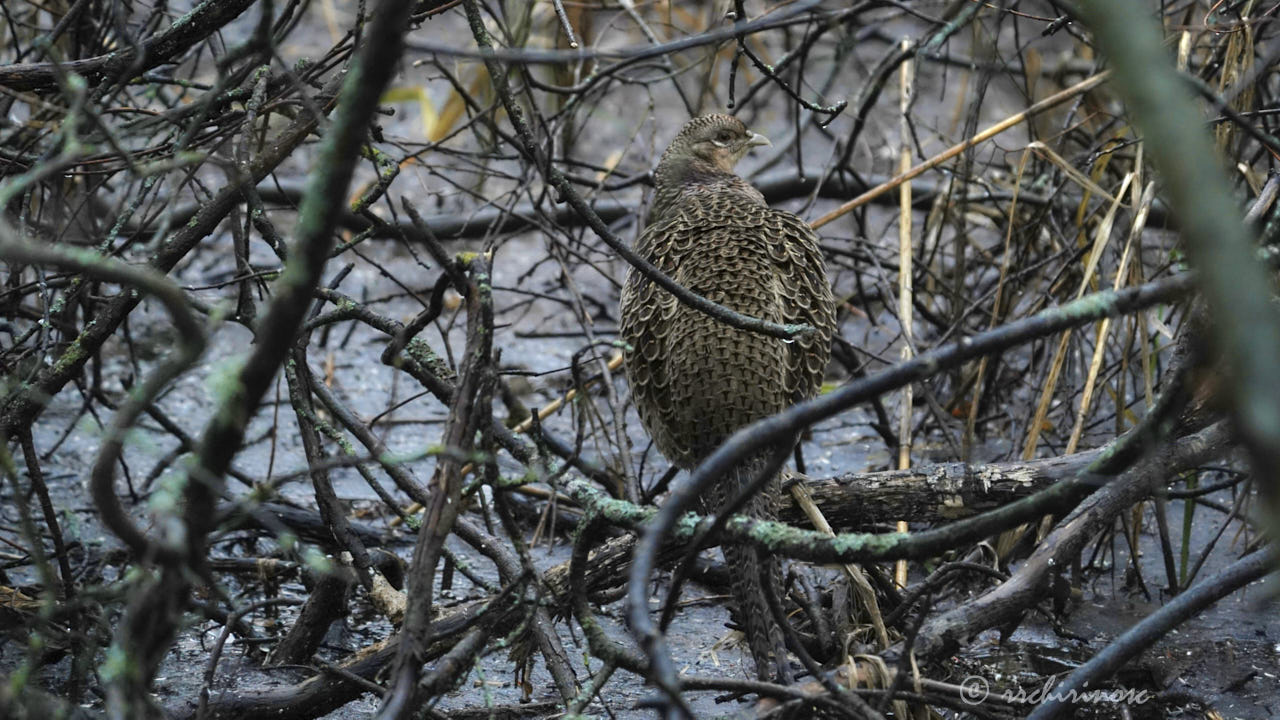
806 299
646 313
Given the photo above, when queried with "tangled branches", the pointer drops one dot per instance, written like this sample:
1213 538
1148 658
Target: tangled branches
312 304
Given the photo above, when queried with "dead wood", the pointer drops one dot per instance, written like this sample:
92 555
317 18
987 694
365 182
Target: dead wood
929 493
1035 579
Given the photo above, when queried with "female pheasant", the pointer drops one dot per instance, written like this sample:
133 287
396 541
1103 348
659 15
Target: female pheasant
696 380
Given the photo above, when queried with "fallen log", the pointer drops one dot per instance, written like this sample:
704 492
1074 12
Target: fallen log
929 493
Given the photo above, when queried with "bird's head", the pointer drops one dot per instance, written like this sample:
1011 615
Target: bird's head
706 145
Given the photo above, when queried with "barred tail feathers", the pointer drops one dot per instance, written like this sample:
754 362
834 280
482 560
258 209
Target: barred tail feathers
748 566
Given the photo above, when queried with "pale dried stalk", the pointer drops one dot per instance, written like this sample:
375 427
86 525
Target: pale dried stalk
904 282
1059 356
1013 120
1009 538
972 421
1086 397
1071 172
862 586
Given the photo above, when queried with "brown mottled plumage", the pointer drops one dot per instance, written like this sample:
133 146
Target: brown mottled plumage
696 380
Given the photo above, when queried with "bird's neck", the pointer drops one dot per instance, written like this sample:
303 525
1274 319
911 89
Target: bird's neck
672 180
682 168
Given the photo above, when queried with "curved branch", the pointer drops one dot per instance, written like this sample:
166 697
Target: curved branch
1239 290
854 548
526 56
192 344
1031 583
151 623
1139 637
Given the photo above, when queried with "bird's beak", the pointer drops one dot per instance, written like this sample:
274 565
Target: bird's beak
757 139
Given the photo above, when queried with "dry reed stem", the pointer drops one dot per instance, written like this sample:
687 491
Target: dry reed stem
1086 397
1053 100
905 80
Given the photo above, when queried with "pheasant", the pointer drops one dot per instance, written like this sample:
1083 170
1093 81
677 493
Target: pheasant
696 380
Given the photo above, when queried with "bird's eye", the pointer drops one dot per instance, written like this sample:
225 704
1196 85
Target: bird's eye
724 136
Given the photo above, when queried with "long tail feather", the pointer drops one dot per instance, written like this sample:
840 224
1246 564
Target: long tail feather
748 567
